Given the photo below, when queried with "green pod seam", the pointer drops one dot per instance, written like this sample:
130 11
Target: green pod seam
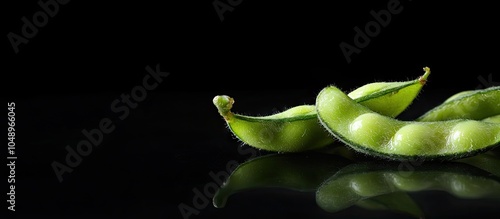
361 181
472 104
297 129
372 133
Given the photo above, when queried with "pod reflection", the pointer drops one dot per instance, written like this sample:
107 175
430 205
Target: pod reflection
394 202
362 181
489 161
299 172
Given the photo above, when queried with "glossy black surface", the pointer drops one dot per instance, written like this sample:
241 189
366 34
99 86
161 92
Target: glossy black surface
268 56
157 157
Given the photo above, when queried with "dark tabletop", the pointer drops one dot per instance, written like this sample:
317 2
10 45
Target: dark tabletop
139 78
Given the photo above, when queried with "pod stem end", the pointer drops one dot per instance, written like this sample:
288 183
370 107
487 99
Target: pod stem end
423 79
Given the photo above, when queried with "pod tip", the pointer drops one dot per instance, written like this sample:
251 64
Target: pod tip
224 104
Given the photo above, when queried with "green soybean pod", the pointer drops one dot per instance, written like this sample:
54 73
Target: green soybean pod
372 133
390 98
471 104
297 129
302 172
361 181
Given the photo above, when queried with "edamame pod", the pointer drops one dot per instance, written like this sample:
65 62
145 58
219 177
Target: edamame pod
390 98
302 172
360 181
297 129
372 133
472 104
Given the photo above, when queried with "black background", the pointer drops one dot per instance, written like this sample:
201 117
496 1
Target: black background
268 55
